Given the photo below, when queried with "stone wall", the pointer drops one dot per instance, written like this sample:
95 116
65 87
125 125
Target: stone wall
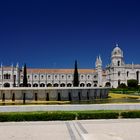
53 94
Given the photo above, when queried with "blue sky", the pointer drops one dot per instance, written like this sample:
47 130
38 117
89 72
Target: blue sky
52 33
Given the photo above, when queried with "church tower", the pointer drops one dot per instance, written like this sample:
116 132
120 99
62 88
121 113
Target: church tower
117 57
99 70
118 67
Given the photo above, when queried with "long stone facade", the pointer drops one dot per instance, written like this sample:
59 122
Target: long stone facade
118 71
113 75
53 93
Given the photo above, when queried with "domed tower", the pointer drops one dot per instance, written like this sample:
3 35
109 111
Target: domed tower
117 67
117 57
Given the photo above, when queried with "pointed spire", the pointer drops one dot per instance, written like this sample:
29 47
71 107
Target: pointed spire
12 65
17 65
97 61
100 60
132 66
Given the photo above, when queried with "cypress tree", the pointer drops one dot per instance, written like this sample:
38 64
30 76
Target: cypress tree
76 76
25 82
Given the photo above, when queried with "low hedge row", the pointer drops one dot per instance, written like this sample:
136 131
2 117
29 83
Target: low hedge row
97 115
131 114
62 115
38 116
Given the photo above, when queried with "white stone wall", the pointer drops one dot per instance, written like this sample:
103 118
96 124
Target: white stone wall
115 72
119 71
48 79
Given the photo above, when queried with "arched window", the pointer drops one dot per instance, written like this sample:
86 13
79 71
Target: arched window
95 76
49 85
95 85
62 85
119 82
7 76
42 85
49 76
35 76
88 85
118 63
62 76
29 85
108 84
55 85
21 85
55 76
119 73
82 76
35 85
82 85
127 73
6 85
69 85
69 76
42 76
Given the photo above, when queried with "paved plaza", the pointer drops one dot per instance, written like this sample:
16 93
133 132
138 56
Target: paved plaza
74 107
72 130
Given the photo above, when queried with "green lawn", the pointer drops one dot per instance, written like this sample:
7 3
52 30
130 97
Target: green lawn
121 96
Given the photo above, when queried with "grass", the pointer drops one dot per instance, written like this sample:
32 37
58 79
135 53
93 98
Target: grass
122 96
126 91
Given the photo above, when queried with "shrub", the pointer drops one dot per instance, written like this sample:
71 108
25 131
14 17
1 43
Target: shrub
97 115
132 83
37 116
61 116
131 114
122 86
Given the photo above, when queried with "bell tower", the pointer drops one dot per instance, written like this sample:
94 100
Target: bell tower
117 69
117 57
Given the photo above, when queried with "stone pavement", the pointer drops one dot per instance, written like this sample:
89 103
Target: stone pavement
120 129
74 107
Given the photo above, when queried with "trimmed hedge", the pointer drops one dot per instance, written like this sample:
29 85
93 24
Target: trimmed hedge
131 114
96 115
66 115
43 116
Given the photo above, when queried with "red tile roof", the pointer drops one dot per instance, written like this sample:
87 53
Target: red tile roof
61 71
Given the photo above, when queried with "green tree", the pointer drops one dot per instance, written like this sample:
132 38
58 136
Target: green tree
25 82
76 76
122 85
132 83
